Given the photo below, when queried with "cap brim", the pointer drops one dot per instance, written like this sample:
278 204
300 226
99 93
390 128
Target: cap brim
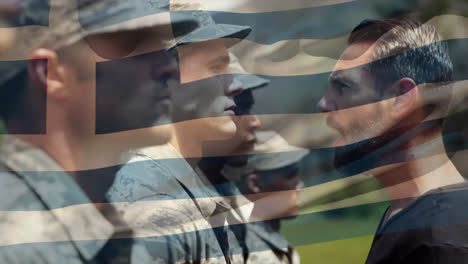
184 24
277 160
216 31
251 81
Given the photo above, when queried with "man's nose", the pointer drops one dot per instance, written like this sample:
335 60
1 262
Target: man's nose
326 105
253 122
234 88
168 69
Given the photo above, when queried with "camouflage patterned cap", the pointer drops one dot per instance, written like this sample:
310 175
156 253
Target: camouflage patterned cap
57 23
248 80
271 152
208 28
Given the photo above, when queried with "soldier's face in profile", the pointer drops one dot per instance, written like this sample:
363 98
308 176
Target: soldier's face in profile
247 124
205 93
243 142
123 80
353 104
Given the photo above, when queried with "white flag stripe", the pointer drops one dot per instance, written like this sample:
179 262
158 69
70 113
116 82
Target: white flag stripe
22 226
296 56
258 6
284 58
296 128
268 60
450 26
19 227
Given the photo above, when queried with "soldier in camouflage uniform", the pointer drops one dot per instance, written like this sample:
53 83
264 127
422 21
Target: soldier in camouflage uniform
274 168
233 151
170 204
53 204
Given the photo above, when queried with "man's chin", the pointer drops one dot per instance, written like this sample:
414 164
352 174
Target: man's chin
360 156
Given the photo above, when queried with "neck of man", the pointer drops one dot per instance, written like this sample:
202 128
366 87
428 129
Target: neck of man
188 146
85 158
425 168
212 167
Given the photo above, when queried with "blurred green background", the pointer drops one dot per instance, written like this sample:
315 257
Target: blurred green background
337 220
338 236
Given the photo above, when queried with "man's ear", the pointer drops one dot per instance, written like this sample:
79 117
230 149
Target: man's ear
45 69
252 183
406 95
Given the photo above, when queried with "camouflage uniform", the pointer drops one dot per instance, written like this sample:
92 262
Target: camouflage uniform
229 228
45 216
264 245
268 246
167 204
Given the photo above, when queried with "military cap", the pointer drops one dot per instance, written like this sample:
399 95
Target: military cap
248 80
208 29
271 152
57 23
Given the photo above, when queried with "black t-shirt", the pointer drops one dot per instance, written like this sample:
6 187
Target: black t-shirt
432 229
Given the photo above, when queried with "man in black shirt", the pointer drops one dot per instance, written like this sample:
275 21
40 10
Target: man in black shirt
388 94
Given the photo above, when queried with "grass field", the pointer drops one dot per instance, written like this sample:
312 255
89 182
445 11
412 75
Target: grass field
350 251
320 238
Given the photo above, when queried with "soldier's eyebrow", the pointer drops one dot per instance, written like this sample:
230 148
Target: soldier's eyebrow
222 59
340 78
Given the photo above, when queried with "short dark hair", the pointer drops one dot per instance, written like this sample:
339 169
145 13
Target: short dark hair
406 48
12 91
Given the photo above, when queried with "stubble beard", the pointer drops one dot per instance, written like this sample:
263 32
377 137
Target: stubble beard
363 146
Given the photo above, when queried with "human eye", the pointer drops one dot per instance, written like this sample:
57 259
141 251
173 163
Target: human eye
218 68
341 86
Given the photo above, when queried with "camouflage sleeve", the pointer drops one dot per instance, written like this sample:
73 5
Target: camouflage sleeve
39 253
142 180
18 255
23 231
158 209
167 228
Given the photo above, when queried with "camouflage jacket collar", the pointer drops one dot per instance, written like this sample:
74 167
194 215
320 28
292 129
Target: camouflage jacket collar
205 195
217 201
88 229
